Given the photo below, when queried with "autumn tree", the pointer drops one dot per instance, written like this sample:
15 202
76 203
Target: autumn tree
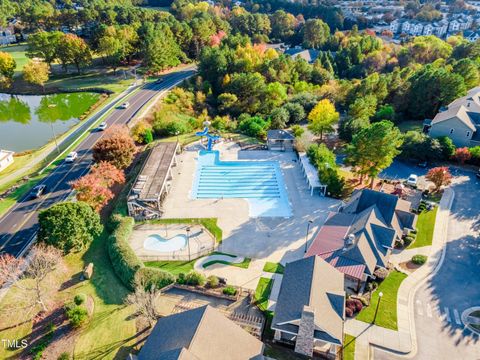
322 118
439 176
116 147
315 33
462 155
144 301
373 149
7 69
31 277
94 188
36 72
69 225
74 50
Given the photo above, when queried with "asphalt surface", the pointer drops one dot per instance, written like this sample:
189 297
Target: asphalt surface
19 226
439 303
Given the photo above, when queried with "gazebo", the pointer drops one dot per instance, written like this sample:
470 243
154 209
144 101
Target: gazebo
280 140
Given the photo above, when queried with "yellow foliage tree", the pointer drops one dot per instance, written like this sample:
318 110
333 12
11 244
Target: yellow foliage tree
322 118
36 72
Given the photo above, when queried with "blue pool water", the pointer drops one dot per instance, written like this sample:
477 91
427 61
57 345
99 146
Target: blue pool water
259 182
156 242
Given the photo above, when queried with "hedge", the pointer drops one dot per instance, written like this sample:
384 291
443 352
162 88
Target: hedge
128 267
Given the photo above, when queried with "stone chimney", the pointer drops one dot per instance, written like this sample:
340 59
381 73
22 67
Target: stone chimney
305 338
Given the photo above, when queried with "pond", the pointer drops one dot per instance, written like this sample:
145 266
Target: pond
28 122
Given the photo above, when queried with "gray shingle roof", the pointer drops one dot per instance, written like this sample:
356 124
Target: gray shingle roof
195 335
279 135
312 282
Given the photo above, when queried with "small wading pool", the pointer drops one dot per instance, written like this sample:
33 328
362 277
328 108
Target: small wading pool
158 243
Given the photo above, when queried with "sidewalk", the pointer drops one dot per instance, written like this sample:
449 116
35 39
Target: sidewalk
404 341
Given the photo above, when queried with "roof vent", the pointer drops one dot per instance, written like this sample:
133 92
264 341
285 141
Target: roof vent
348 241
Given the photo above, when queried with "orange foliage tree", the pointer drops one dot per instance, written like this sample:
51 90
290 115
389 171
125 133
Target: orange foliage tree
116 147
462 155
439 176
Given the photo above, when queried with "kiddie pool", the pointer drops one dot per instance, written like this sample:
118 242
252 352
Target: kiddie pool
158 243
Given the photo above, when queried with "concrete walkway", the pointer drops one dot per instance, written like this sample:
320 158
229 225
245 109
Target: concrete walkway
404 341
400 256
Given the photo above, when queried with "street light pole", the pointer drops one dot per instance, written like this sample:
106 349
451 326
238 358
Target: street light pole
188 242
306 236
380 294
55 138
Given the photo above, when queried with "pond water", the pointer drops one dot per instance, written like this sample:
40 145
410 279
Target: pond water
28 122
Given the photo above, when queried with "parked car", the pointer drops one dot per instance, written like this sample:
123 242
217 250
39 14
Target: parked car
102 126
38 191
71 157
125 105
423 164
412 180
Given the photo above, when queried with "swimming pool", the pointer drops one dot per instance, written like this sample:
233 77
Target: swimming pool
158 243
259 182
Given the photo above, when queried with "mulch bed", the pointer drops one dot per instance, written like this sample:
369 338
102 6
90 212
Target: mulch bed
409 266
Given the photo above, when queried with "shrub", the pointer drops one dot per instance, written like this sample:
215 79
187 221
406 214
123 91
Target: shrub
194 278
407 241
350 303
181 279
76 315
348 312
358 305
153 277
64 356
254 126
297 131
212 281
147 136
419 259
79 299
372 286
381 273
229 290
139 131
125 262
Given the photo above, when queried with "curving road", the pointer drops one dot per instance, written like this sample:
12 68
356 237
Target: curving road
19 226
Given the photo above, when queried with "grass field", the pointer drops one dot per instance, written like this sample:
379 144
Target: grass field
272 267
262 293
425 227
387 311
410 125
18 53
244 264
173 267
348 347
208 223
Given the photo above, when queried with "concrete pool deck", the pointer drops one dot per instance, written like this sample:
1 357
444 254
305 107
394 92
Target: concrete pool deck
268 238
201 242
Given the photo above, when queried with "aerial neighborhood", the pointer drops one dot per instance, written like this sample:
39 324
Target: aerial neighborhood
238 180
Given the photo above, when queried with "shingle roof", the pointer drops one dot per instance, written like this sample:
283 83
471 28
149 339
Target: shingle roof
312 282
309 55
195 335
279 135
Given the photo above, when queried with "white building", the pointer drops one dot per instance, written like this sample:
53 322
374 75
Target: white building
7 36
6 159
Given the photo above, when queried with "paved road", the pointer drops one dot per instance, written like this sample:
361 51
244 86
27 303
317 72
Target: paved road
439 303
19 226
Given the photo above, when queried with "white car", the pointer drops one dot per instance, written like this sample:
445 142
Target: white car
71 157
412 180
102 126
125 105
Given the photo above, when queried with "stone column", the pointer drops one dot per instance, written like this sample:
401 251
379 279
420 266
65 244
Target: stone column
305 338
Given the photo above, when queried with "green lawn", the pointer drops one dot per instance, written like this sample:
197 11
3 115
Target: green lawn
244 264
18 53
410 125
387 311
262 293
425 227
173 267
348 347
272 267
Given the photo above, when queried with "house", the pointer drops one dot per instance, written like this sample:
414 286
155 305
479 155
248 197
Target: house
280 140
359 239
6 158
200 334
309 55
471 35
7 36
460 121
310 308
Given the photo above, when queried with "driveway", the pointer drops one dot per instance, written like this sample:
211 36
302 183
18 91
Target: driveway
439 303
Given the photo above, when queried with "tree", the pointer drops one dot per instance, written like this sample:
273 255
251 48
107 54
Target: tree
144 301
254 126
30 277
68 226
117 44
74 50
7 69
94 188
439 176
462 155
279 118
283 25
468 70
322 118
373 149
44 45
447 147
324 161
295 111
315 33
36 72
116 147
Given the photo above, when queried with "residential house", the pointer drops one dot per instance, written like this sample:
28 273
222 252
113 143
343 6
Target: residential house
396 26
360 237
200 334
460 121
7 36
454 26
309 55
471 35
310 308
6 159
